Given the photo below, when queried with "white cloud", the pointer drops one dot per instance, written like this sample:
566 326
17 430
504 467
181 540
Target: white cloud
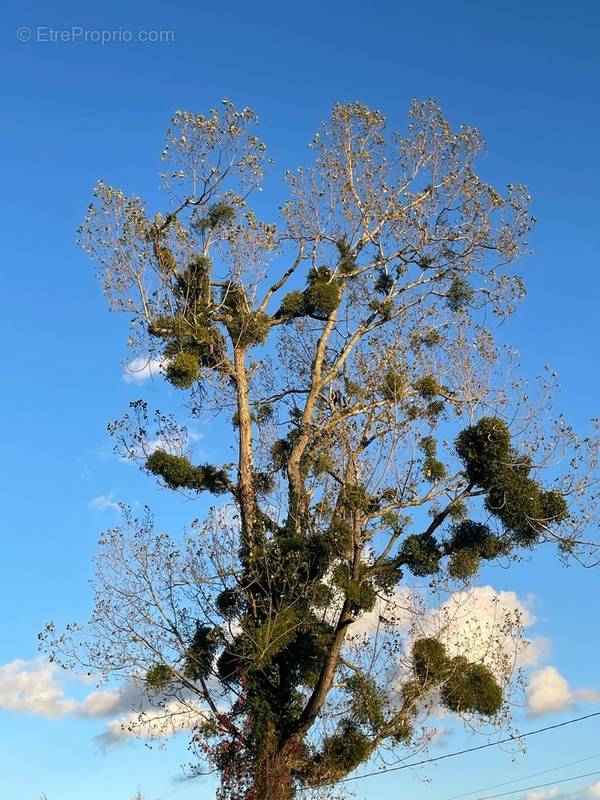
473 621
590 792
141 368
536 650
549 692
547 793
152 723
482 623
104 501
485 625
103 703
33 687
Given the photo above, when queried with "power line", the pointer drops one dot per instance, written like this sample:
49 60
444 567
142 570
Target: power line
524 777
472 749
540 785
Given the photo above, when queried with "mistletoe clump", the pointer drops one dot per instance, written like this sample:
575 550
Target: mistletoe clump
465 687
347 260
340 753
523 507
427 387
393 386
179 473
430 661
421 553
200 655
354 497
320 298
183 370
323 293
471 688
192 285
165 259
292 306
470 542
484 449
384 283
359 592
463 564
366 701
433 468
192 338
246 327
459 294
219 214
229 603
158 677
201 341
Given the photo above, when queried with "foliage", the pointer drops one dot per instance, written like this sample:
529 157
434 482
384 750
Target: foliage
341 753
320 298
471 687
178 473
322 295
201 652
519 502
459 294
158 677
421 553
183 370
464 686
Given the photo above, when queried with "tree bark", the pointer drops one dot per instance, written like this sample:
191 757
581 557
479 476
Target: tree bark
273 778
247 497
298 503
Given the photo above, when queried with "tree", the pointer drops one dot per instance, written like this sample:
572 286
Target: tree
382 441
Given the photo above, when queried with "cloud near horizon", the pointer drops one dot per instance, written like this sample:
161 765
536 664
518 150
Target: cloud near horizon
151 723
549 692
589 792
35 687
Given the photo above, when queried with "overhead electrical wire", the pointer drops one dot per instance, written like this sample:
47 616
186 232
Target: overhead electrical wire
540 785
523 778
433 759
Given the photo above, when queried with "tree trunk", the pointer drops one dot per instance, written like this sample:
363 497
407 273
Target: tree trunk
272 788
246 458
273 779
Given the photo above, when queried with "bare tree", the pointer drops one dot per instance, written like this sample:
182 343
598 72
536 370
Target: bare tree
386 446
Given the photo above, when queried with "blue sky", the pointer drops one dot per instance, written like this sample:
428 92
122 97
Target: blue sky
526 74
